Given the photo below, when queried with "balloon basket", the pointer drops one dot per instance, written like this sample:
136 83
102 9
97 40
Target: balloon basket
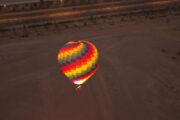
79 87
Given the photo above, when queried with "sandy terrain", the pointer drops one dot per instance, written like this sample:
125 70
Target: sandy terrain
138 77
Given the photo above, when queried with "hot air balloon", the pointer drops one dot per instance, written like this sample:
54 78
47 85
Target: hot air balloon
78 61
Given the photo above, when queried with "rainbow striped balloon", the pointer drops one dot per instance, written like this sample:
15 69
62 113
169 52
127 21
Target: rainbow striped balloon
78 60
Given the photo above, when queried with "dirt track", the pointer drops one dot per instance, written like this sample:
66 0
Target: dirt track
60 15
138 77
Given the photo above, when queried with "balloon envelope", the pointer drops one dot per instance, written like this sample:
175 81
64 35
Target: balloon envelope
78 60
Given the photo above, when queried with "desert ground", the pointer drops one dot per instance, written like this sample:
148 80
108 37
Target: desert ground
138 76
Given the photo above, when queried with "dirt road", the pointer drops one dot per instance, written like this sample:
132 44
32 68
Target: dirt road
138 77
57 15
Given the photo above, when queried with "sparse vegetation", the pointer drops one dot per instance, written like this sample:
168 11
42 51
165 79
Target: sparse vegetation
42 1
178 53
14 31
25 35
65 25
85 23
56 25
25 28
46 27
